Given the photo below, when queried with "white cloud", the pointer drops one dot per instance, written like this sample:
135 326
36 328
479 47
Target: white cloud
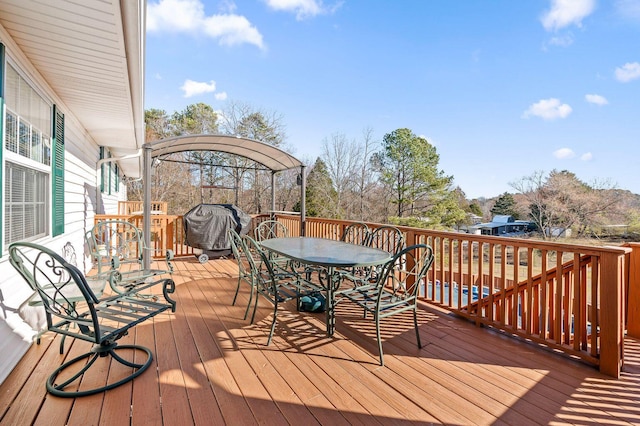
548 109
158 76
188 16
629 71
221 96
564 153
302 8
193 88
596 99
564 13
587 156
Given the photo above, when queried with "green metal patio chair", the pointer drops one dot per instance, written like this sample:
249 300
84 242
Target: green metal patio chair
356 233
385 237
273 229
395 289
242 254
73 309
117 248
275 285
270 229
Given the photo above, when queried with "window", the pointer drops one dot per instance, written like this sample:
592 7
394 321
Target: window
27 155
110 174
26 203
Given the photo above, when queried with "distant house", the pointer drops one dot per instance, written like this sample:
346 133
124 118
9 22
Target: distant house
503 225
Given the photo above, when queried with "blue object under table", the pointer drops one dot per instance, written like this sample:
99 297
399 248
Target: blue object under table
329 254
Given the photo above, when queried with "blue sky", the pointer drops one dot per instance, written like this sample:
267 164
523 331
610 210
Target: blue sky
502 88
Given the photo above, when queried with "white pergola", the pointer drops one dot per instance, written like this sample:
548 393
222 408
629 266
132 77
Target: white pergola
269 156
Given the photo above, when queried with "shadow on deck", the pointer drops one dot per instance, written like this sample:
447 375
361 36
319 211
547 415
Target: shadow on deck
212 368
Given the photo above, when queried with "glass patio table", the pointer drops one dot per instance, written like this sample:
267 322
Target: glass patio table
330 254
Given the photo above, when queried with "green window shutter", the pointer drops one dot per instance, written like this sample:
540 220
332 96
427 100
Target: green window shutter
58 172
1 139
117 179
110 176
102 152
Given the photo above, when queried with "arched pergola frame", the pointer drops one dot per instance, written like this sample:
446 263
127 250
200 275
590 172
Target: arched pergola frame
269 156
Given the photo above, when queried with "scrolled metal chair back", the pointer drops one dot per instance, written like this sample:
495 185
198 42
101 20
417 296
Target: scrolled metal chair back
356 233
270 229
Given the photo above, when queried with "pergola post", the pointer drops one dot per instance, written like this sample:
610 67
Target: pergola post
146 206
303 202
273 194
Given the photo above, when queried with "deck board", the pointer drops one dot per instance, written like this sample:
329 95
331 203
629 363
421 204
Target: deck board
212 367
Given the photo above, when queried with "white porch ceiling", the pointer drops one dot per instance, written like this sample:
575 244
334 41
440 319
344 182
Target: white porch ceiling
91 54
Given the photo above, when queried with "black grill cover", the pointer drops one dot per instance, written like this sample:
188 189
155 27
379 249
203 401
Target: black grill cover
206 225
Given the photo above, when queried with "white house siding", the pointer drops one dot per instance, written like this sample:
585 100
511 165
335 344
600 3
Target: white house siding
81 156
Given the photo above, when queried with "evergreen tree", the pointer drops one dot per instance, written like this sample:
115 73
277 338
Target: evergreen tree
505 205
320 193
408 166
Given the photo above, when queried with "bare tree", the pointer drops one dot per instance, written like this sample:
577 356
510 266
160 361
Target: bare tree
242 119
560 201
365 181
341 158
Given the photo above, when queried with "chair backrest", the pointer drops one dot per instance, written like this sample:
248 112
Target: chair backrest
59 284
356 233
404 274
270 229
387 238
261 268
114 239
239 251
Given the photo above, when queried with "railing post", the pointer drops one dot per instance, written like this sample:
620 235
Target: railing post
611 314
633 315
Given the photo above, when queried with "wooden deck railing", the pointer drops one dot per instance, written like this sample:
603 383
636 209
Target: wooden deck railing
136 207
570 298
167 232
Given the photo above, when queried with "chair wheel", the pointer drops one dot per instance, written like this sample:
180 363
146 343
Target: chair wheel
203 258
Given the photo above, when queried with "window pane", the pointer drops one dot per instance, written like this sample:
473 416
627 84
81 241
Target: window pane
27 203
27 113
24 140
36 145
11 135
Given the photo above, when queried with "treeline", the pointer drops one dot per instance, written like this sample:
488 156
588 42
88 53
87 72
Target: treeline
558 201
393 180
396 180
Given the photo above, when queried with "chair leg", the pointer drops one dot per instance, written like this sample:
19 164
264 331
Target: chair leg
273 323
415 324
251 291
379 339
255 307
237 290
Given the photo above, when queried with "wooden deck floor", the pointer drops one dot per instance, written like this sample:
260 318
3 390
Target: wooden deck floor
212 368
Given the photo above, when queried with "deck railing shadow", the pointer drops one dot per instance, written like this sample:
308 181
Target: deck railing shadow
212 368
572 298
